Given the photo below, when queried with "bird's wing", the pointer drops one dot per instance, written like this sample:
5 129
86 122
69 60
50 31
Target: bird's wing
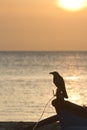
63 88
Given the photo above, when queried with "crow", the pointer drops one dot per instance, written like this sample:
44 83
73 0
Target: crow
59 83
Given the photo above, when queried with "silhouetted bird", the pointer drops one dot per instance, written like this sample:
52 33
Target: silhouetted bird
59 82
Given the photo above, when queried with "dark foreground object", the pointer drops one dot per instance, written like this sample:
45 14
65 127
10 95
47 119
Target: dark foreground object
13 125
71 116
27 126
44 122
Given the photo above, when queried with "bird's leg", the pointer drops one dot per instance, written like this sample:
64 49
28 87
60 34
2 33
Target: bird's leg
59 95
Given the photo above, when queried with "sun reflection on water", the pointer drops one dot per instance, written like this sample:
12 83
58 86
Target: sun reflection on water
75 98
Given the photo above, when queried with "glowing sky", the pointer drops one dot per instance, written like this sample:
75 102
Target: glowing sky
41 25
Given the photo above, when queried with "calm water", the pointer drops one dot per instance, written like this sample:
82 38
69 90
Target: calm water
26 86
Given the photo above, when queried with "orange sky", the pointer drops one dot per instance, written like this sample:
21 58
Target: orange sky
41 25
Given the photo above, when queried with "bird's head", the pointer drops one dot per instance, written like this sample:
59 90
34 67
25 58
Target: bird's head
54 73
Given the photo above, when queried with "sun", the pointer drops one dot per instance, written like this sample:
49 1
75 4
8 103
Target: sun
71 5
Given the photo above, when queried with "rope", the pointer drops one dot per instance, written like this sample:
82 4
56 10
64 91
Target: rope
43 112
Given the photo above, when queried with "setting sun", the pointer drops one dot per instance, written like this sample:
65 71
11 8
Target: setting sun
71 5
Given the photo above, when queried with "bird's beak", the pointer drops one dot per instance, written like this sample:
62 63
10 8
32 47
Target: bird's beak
51 73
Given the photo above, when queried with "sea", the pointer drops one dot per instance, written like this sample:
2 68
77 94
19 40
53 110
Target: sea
26 87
